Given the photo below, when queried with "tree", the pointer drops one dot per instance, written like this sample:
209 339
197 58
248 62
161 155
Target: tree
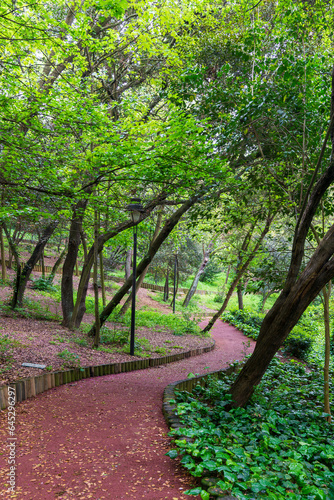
206 258
245 257
301 285
166 230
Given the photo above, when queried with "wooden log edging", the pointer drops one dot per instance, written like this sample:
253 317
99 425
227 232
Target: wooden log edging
169 406
30 387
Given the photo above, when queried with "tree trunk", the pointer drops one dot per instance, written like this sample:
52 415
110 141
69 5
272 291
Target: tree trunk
84 244
42 264
240 296
204 263
56 266
16 287
265 297
283 316
128 263
242 269
12 247
3 256
67 302
27 269
103 285
175 283
154 247
80 307
166 286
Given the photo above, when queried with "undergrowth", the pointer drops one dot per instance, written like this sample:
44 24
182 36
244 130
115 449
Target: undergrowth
298 343
279 447
152 319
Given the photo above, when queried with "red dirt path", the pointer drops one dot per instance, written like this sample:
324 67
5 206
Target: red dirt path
106 438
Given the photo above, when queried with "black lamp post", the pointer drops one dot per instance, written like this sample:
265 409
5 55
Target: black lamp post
175 272
136 209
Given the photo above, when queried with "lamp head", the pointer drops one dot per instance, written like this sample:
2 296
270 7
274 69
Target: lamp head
136 208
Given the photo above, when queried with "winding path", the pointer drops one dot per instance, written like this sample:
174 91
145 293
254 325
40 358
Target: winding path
105 438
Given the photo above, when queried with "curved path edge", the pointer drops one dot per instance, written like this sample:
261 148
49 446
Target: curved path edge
169 407
30 387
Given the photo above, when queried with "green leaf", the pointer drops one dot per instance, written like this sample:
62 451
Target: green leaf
194 491
205 495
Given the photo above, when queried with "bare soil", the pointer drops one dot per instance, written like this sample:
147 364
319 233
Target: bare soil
40 342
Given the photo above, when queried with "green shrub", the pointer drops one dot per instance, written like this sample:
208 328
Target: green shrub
109 336
6 347
218 299
247 322
298 343
43 284
71 360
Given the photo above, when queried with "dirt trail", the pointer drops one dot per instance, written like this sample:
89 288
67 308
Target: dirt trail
106 438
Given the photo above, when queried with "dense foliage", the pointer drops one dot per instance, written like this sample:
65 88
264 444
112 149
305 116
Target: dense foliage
278 447
299 341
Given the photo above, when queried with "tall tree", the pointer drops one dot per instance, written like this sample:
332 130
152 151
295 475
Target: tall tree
301 285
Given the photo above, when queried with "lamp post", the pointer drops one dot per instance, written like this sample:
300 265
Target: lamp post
175 272
136 209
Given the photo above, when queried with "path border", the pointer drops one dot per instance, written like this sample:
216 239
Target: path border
30 387
169 406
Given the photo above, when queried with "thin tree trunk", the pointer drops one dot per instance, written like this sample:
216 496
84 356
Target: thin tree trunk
175 283
103 285
67 302
3 256
16 287
265 297
166 286
42 264
35 256
84 244
242 269
240 296
204 263
12 247
56 266
10 258
128 263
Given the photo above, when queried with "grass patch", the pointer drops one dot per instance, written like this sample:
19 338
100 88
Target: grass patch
278 447
151 319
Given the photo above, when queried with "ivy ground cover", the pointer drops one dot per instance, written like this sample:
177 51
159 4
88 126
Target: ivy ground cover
279 447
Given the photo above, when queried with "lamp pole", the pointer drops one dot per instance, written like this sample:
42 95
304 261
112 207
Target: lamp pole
133 307
175 271
136 209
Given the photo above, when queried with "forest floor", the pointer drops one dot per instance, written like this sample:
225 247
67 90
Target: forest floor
101 438
39 341
106 438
